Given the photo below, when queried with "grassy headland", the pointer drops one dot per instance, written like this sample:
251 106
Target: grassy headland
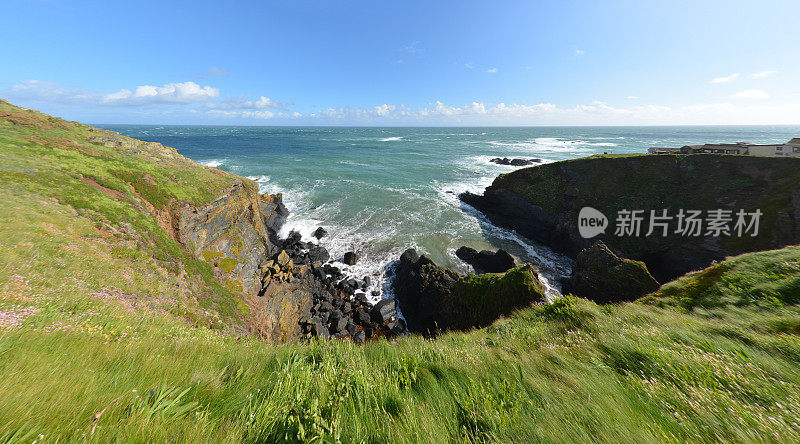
111 331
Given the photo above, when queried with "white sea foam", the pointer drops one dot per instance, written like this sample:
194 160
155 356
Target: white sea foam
390 139
550 145
213 163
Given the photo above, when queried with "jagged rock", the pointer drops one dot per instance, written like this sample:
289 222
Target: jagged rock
283 259
351 328
362 317
603 277
359 337
350 258
514 162
434 298
320 232
325 306
292 239
318 254
338 326
486 261
397 326
383 310
320 331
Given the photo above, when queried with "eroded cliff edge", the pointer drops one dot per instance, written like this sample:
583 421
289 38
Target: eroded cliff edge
543 202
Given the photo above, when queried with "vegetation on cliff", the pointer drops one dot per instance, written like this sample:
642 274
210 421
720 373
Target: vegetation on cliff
105 334
543 202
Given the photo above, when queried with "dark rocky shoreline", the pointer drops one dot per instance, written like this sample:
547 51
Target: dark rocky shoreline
339 307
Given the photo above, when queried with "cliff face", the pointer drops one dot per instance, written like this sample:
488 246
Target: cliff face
205 232
235 233
543 202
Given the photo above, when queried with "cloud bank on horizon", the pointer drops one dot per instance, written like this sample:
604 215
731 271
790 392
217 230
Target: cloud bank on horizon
534 63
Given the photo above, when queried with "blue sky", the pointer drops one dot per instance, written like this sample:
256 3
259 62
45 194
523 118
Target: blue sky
404 63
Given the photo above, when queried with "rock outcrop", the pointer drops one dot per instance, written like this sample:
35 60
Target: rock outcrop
235 233
543 202
514 162
603 277
486 261
433 298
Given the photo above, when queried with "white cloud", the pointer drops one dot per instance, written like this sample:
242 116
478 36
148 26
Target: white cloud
632 97
725 79
233 103
41 91
216 71
762 74
491 70
751 94
579 52
469 65
177 93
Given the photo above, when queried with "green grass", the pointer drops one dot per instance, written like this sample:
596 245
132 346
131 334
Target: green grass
111 332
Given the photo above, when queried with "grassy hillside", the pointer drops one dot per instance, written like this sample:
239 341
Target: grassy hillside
105 335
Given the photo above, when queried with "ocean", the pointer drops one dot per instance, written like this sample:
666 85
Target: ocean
378 191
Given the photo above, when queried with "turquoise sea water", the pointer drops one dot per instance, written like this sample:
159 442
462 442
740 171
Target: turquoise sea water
379 191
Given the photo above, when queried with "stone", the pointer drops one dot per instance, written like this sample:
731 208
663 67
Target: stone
325 306
350 258
320 232
320 331
318 254
338 326
359 337
283 259
397 326
362 317
383 310
351 328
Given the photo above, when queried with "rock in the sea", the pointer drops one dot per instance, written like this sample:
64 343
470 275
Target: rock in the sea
486 261
320 232
514 162
350 258
603 277
318 254
434 298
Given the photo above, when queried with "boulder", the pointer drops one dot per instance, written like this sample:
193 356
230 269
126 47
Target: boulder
359 337
318 254
319 233
383 310
603 277
397 326
350 258
338 326
362 317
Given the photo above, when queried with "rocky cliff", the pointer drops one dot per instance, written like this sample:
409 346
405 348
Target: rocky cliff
543 202
206 232
433 298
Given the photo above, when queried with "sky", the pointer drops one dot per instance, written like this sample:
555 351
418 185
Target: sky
404 63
